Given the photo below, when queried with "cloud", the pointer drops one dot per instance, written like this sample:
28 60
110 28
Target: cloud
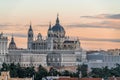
89 26
104 24
113 16
16 35
42 25
100 39
108 24
8 24
104 16
100 16
81 38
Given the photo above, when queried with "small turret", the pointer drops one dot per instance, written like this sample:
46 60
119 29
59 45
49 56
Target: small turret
12 44
39 37
50 30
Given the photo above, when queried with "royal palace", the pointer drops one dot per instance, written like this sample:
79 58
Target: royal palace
56 50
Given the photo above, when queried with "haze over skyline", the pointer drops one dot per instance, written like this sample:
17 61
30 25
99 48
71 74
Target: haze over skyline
95 22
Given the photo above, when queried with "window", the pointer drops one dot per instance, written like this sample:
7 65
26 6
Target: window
48 59
53 59
58 59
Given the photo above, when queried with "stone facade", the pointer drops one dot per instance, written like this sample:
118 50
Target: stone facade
56 58
3 48
56 50
55 40
26 59
102 59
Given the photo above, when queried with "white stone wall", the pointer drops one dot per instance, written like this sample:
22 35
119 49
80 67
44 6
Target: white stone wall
37 57
27 59
108 60
3 48
102 64
33 60
68 60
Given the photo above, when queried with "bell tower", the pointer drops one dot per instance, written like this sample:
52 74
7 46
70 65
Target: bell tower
30 37
50 32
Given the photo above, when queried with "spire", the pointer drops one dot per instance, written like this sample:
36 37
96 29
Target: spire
49 25
12 39
1 34
57 20
30 29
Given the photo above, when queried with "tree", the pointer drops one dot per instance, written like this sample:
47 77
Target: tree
42 72
101 72
13 70
96 72
53 72
105 72
83 69
23 71
5 67
30 71
65 73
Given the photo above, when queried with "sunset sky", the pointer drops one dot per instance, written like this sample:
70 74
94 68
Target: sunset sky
95 22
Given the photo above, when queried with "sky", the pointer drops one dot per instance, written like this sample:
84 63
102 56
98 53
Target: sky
95 22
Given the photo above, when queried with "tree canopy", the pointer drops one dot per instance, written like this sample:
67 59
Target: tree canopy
82 70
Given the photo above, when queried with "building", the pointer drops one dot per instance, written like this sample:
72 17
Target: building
102 59
12 44
56 39
114 51
3 48
27 59
56 50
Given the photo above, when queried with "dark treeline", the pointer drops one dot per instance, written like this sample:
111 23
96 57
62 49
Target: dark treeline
22 72
105 72
82 71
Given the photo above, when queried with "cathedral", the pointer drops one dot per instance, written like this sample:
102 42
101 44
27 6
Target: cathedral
56 39
57 50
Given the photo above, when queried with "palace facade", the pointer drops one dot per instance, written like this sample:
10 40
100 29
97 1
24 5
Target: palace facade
56 50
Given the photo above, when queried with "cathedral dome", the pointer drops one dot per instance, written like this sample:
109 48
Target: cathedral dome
57 30
57 27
